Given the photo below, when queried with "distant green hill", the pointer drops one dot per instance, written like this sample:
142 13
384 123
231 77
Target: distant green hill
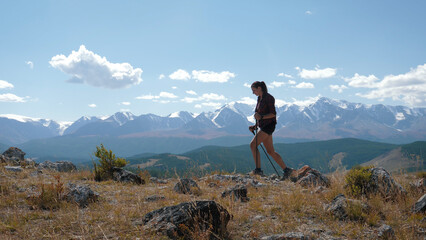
409 157
325 156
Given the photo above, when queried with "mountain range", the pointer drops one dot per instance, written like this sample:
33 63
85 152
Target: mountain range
323 119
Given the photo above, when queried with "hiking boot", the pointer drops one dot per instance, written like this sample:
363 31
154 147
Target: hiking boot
287 173
257 171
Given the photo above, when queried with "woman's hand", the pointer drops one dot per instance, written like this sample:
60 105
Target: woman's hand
257 116
252 128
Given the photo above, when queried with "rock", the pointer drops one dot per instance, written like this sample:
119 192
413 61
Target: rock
239 192
340 204
185 220
82 195
287 236
420 205
154 198
186 185
14 156
307 176
386 232
28 162
383 183
13 168
60 166
121 175
36 173
273 177
3 159
157 180
246 179
419 185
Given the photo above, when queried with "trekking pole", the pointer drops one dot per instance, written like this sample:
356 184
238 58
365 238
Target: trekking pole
263 150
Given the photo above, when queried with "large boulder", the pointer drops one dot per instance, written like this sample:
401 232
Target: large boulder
187 186
340 205
121 175
14 156
188 220
307 176
59 166
239 192
82 195
420 205
383 183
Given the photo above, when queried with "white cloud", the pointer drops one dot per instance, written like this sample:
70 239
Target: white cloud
162 101
291 82
31 64
307 102
161 95
276 84
247 100
190 100
5 84
9 97
92 105
204 97
280 103
304 85
198 106
147 97
87 67
167 95
338 88
191 92
308 12
180 74
317 73
409 87
284 75
125 103
174 87
212 104
209 76
360 81
247 85
212 96
161 76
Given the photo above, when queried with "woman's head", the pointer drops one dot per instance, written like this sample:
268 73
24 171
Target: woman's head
257 86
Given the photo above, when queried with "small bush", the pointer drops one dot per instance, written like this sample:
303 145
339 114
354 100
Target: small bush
358 181
107 163
50 197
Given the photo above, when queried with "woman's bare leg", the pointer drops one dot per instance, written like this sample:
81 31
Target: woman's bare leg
268 143
261 136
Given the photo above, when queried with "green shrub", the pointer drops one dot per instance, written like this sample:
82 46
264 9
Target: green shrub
358 181
107 161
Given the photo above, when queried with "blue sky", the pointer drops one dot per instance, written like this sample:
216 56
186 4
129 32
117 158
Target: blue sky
65 59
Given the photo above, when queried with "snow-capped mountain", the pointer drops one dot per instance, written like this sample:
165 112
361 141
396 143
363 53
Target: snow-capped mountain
17 129
321 119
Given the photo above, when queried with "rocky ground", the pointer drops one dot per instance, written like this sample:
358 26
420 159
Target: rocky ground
39 203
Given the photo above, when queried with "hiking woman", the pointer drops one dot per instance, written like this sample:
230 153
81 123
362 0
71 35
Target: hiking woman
266 120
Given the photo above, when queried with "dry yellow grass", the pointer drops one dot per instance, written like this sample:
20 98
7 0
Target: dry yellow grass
274 209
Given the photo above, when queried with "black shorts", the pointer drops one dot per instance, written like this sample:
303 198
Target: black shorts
269 129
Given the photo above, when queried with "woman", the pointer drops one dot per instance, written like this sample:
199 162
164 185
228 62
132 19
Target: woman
266 120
